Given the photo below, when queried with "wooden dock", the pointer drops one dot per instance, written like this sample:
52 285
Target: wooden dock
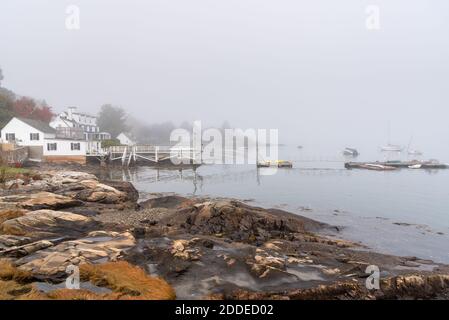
128 155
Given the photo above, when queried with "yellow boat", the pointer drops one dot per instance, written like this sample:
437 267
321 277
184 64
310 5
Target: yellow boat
275 163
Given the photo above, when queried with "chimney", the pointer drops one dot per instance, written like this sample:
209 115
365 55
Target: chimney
70 112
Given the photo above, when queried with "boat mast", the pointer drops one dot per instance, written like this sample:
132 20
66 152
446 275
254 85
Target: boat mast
409 143
389 134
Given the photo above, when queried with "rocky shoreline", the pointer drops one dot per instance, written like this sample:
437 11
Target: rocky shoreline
175 247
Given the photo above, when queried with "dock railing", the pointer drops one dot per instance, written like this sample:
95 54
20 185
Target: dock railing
70 133
151 153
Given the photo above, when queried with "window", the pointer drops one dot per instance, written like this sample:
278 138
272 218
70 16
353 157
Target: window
34 136
75 146
10 137
51 146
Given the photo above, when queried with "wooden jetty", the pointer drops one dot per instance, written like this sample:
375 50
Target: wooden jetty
394 165
128 155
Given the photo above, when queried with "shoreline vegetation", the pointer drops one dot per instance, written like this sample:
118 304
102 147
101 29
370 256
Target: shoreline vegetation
170 246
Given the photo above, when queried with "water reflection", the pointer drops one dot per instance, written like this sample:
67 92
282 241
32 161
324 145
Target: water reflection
367 203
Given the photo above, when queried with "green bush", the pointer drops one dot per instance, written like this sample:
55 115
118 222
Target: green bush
10 173
110 143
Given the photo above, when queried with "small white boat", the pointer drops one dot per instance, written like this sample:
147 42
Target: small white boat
391 147
415 153
415 166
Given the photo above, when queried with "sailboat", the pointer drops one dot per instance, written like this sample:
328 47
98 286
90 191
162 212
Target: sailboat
391 147
413 152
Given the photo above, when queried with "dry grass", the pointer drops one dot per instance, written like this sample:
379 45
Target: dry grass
70 294
10 173
10 290
10 272
128 280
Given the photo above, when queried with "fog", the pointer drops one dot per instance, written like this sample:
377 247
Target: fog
312 69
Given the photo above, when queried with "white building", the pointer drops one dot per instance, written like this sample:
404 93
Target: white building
83 122
125 139
44 142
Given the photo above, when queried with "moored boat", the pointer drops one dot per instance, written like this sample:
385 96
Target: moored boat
415 153
392 148
377 167
391 165
275 163
350 152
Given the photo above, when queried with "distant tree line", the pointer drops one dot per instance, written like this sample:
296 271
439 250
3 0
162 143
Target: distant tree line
114 119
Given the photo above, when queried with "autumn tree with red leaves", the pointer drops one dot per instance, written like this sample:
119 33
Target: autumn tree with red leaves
28 108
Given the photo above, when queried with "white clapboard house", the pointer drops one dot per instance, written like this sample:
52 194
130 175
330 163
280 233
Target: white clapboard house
44 142
72 119
125 139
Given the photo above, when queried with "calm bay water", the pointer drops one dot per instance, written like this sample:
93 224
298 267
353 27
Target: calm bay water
404 212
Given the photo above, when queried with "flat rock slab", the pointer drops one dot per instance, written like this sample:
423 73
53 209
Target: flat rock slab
97 247
7 241
26 249
48 223
40 200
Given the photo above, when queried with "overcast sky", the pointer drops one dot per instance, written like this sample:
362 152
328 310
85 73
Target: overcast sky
310 68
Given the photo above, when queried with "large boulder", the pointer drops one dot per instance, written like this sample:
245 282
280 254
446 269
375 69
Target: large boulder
240 222
99 192
124 186
48 223
166 201
96 247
